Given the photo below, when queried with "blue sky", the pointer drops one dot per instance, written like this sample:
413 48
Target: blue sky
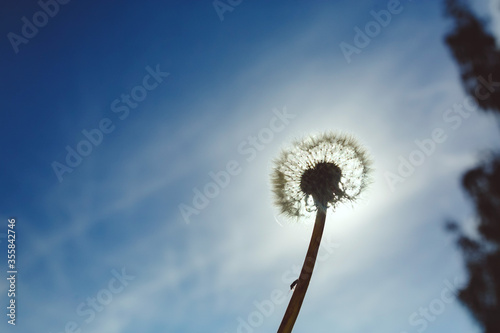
104 246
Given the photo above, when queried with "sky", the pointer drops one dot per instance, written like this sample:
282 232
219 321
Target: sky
138 141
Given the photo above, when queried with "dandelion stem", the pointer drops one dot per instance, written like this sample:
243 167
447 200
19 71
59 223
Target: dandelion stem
293 308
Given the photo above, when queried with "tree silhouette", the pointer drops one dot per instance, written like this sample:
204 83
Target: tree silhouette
476 54
479 62
482 252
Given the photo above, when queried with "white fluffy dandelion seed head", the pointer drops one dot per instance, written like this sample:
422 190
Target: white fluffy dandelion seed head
319 172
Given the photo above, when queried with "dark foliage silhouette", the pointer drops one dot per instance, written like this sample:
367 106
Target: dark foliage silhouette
482 252
478 59
476 53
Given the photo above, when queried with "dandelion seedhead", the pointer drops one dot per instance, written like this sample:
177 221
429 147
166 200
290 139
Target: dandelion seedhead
319 172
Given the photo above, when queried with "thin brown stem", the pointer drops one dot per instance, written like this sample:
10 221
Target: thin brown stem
293 308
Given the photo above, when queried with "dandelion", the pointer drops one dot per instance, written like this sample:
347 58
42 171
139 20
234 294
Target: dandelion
316 174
